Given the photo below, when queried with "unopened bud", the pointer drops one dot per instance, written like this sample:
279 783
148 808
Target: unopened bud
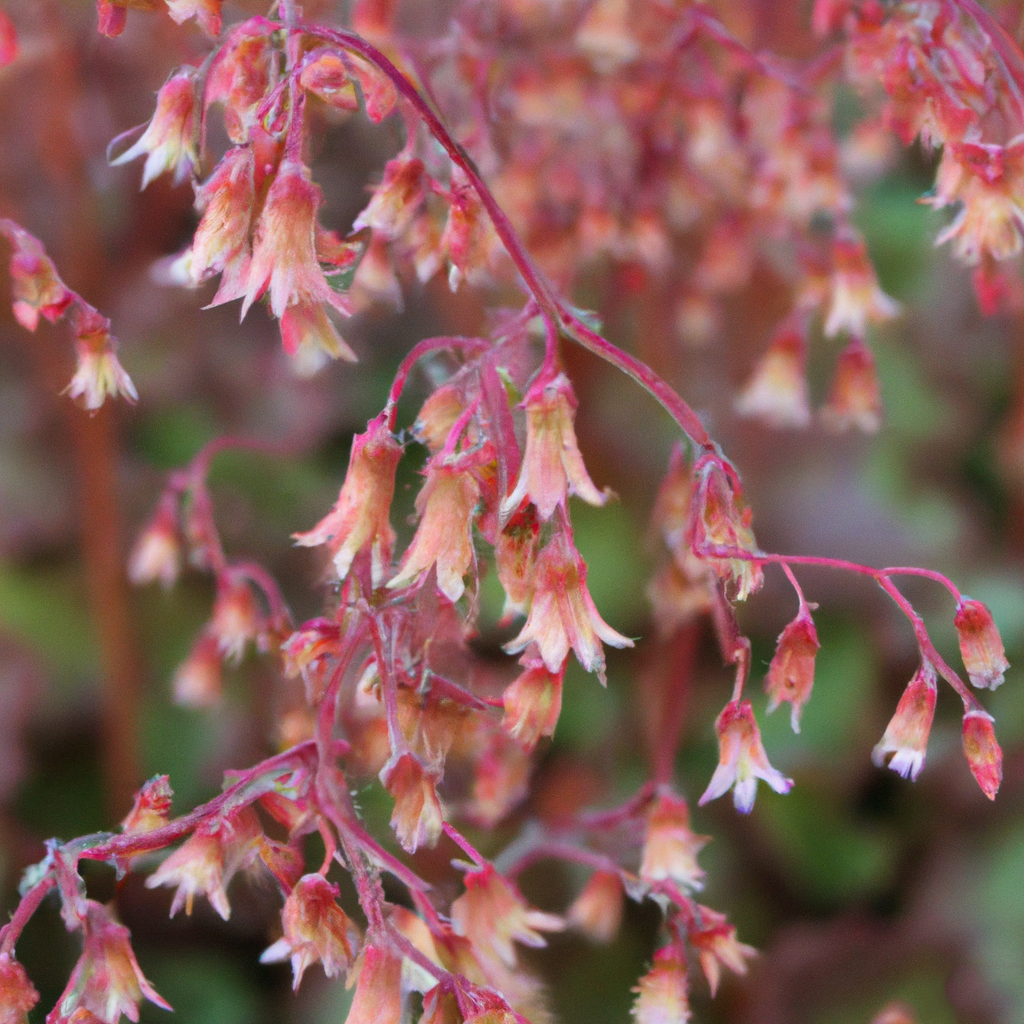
983 752
980 644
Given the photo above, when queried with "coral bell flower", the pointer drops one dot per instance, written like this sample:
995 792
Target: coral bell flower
906 736
360 518
492 914
741 759
206 12
562 612
532 705
152 807
515 558
552 466
671 846
196 867
791 673
198 679
378 996
171 141
855 399
310 338
597 911
284 259
980 644
236 618
777 390
99 372
983 752
221 241
856 297
327 78
714 939
417 817
396 200
315 928
719 519
662 995
444 538
107 980
17 994
36 286
157 552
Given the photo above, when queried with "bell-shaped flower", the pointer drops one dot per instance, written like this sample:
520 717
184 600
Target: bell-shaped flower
99 373
378 995
418 816
905 741
325 75
444 538
157 552
237 618
791 672
563 616
242 76
855 398
533 702
17 993
983 752
719 527
198 679
741 759
315 929
981 646
284 257
107 980
552 466
221 242
670 845
152 807
396 199
36 287
170 143
856 297
360 520
776 392
662 995
310 338
493 915
206 12
597 910
715 941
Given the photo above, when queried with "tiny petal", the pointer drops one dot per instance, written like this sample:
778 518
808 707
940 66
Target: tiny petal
714 939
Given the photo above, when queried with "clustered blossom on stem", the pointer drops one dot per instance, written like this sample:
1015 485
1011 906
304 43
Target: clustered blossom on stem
905 741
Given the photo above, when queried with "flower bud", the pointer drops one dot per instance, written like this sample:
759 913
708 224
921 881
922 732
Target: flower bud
152 807
906 736
980 644
983 752
417 817
236 618
532 705
327 78
791 673
157 552
36 287
597 911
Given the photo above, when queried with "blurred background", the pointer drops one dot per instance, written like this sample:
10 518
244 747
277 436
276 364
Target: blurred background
857 888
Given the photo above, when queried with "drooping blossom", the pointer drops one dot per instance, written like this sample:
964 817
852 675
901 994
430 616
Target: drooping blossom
719 529
152 807
515 559
157 552
563 616
170 143
670 845
597 910
206 12
776 392
905 741
791 672
856 298
552 466
444 538
418 816
326 76
855 398
741 759
983 752
107 980
284 257
315 929
242 77
17 993
981 646
662 994
532 704
237 618
378 996
396 200
360 520
99 374
36 287
198 679
715 941
493 915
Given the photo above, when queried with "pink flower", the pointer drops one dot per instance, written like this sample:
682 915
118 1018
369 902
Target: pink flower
671 846
552 466
99 372
662 995
157 552
562 612
107 980
284 259
856 297
715 941
741 759
315 928
17 994
206 12
360 520
221 242
906 736
378 996
791 673
310 338
983 752
171 141
532 705
855 399
36 287
396 200
597 910
417 817
980 644
777 389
